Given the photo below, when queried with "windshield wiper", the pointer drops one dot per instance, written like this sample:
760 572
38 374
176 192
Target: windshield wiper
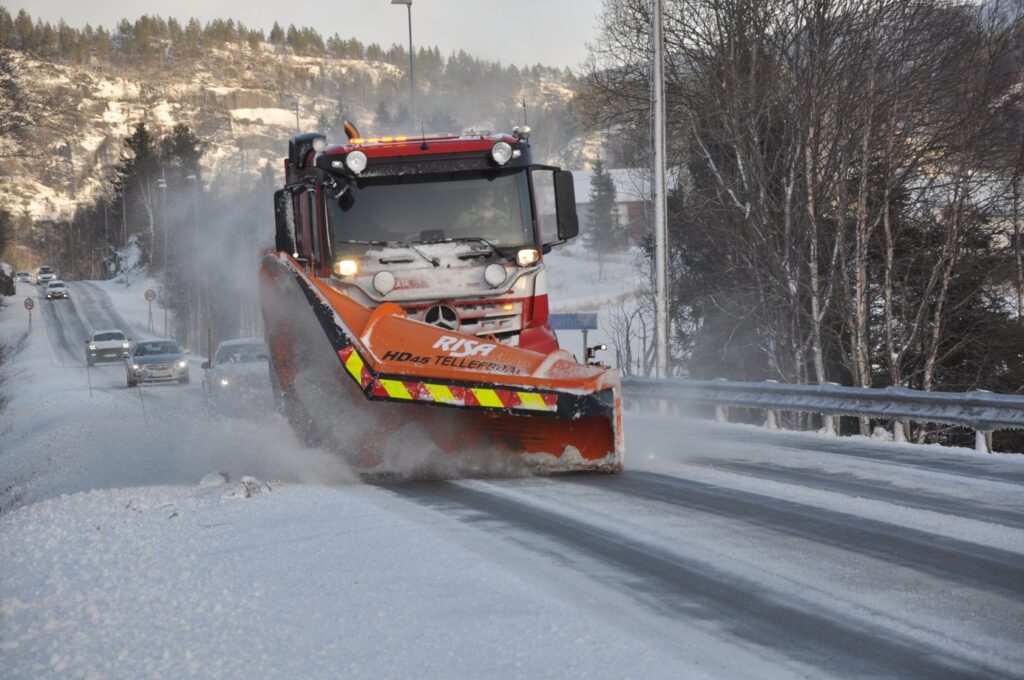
478 239
368 243
399 244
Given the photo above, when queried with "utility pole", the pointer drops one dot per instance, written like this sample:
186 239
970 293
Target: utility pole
660 221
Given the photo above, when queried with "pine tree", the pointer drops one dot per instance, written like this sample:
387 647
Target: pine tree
180 152
605 232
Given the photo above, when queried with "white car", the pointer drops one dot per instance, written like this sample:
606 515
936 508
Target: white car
23 277
111 345
57 289
45 275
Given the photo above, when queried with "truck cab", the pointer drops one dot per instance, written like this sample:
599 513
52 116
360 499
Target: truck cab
452 228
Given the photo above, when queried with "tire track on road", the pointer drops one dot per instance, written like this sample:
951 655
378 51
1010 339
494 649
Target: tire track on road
683 588
101 311
952 559
988 467
850 485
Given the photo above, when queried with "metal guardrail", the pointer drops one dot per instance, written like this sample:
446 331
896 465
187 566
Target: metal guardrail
979 410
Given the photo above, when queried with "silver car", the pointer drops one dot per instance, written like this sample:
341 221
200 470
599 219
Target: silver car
156 361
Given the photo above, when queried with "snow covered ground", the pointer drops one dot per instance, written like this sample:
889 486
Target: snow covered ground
577 283
142 536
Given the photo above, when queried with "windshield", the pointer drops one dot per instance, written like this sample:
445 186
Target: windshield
429 208
46 270
104 337
242 354
149 348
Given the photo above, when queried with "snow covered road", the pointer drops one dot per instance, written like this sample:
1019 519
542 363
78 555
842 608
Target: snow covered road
720 552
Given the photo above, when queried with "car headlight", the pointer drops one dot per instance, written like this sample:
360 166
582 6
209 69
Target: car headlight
182 364
92 347
224 382
124 345
135 367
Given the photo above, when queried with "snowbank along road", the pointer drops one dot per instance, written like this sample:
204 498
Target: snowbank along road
720 552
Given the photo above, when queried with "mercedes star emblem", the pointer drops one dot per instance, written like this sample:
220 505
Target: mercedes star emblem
442 316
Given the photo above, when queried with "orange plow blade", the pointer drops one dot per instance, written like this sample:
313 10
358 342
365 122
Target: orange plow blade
397 395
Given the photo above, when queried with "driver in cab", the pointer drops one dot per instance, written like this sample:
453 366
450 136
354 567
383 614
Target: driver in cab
484 215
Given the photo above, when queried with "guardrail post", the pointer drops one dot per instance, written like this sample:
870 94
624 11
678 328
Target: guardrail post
771 419
983 441
899 431
828 425
721 414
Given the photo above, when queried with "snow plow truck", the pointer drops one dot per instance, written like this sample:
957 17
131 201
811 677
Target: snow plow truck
406 310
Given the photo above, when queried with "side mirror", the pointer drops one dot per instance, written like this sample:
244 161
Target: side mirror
565 206
206 364
284 221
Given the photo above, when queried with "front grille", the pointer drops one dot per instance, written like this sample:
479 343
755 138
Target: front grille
485 319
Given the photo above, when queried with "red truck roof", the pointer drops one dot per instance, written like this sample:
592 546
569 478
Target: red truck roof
420 145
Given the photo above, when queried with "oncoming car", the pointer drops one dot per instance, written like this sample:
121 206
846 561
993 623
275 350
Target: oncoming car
109 345
239 374
45 274
23 277
156 361
57 289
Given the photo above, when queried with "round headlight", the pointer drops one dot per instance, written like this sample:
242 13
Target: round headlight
384 282
182 364
346 267
356 161
527 256
501 152
494 275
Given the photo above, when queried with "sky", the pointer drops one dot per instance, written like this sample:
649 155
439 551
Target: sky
551 32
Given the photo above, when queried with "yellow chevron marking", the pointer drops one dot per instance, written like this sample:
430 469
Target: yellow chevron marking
531 401
487 397
441 393
354 364
395 389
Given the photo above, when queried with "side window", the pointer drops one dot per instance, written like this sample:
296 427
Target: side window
544 199
314 223
305 229
301 225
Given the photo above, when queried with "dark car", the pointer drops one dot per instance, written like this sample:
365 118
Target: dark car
156 361
238 378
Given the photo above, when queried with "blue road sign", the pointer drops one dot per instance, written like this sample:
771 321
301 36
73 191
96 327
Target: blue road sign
574 322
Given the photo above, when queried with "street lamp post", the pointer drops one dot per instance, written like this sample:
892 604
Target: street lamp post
161 184
412 86
660 221
193 334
